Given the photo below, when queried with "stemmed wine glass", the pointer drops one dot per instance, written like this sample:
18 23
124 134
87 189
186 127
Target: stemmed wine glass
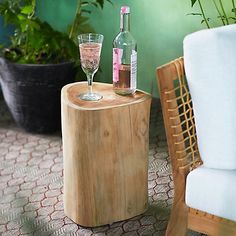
90 46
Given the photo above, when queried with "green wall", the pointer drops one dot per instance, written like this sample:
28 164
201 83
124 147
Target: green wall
158 26
4 32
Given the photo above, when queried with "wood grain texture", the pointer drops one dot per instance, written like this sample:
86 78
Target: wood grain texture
182 217
210 224
109 100
105 149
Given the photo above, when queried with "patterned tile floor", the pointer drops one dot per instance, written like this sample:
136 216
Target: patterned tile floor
31 185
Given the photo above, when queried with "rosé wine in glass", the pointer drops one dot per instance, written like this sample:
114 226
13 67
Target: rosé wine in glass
90 56
90 46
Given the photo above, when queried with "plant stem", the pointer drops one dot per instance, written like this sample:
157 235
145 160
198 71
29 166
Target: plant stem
223 10
30 16
234 8
73 27
218 10
27 42
203 14
33 11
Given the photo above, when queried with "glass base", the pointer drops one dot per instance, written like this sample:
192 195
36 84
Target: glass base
90 96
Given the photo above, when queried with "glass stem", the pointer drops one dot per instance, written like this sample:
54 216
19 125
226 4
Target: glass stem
90 82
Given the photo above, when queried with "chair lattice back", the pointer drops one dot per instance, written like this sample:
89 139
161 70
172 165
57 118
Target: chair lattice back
178 116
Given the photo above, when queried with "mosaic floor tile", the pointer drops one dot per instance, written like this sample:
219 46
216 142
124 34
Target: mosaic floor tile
31 181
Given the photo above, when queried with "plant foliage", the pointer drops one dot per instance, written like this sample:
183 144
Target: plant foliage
35 41
81 22
193 2
225 17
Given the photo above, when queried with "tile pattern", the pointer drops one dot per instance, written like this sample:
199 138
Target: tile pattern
31 185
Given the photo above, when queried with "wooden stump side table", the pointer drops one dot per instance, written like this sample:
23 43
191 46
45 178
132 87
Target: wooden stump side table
105 149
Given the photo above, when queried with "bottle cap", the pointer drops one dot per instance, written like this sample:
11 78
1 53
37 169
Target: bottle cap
125 10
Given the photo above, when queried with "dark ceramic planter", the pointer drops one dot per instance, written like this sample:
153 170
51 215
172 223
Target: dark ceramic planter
32 93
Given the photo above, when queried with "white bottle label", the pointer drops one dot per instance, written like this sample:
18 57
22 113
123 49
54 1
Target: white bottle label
117 55
133 76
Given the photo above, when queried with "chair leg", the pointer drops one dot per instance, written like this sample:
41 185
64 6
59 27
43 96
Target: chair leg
178 223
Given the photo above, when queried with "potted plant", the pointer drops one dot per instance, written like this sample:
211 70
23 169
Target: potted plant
38 63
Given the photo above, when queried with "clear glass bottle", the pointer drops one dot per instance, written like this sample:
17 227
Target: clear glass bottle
124 57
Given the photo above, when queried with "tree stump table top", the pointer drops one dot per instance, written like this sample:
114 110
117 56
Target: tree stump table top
110 98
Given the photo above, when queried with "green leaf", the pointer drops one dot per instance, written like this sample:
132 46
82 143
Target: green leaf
85 28
34 25
27 9
110 2
194 14
100 2
24 25
20 17
203 21
95 4
84 4
86 11
83 19
193 2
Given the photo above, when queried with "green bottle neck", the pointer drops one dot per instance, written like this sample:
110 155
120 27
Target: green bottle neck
125 22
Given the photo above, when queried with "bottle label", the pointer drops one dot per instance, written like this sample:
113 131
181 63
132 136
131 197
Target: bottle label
133 76
117 55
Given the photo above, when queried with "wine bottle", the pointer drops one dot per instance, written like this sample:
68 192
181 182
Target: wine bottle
124 57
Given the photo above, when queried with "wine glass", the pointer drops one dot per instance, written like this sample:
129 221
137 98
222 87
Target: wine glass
90 46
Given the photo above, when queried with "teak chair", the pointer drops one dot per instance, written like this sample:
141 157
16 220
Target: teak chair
183 149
